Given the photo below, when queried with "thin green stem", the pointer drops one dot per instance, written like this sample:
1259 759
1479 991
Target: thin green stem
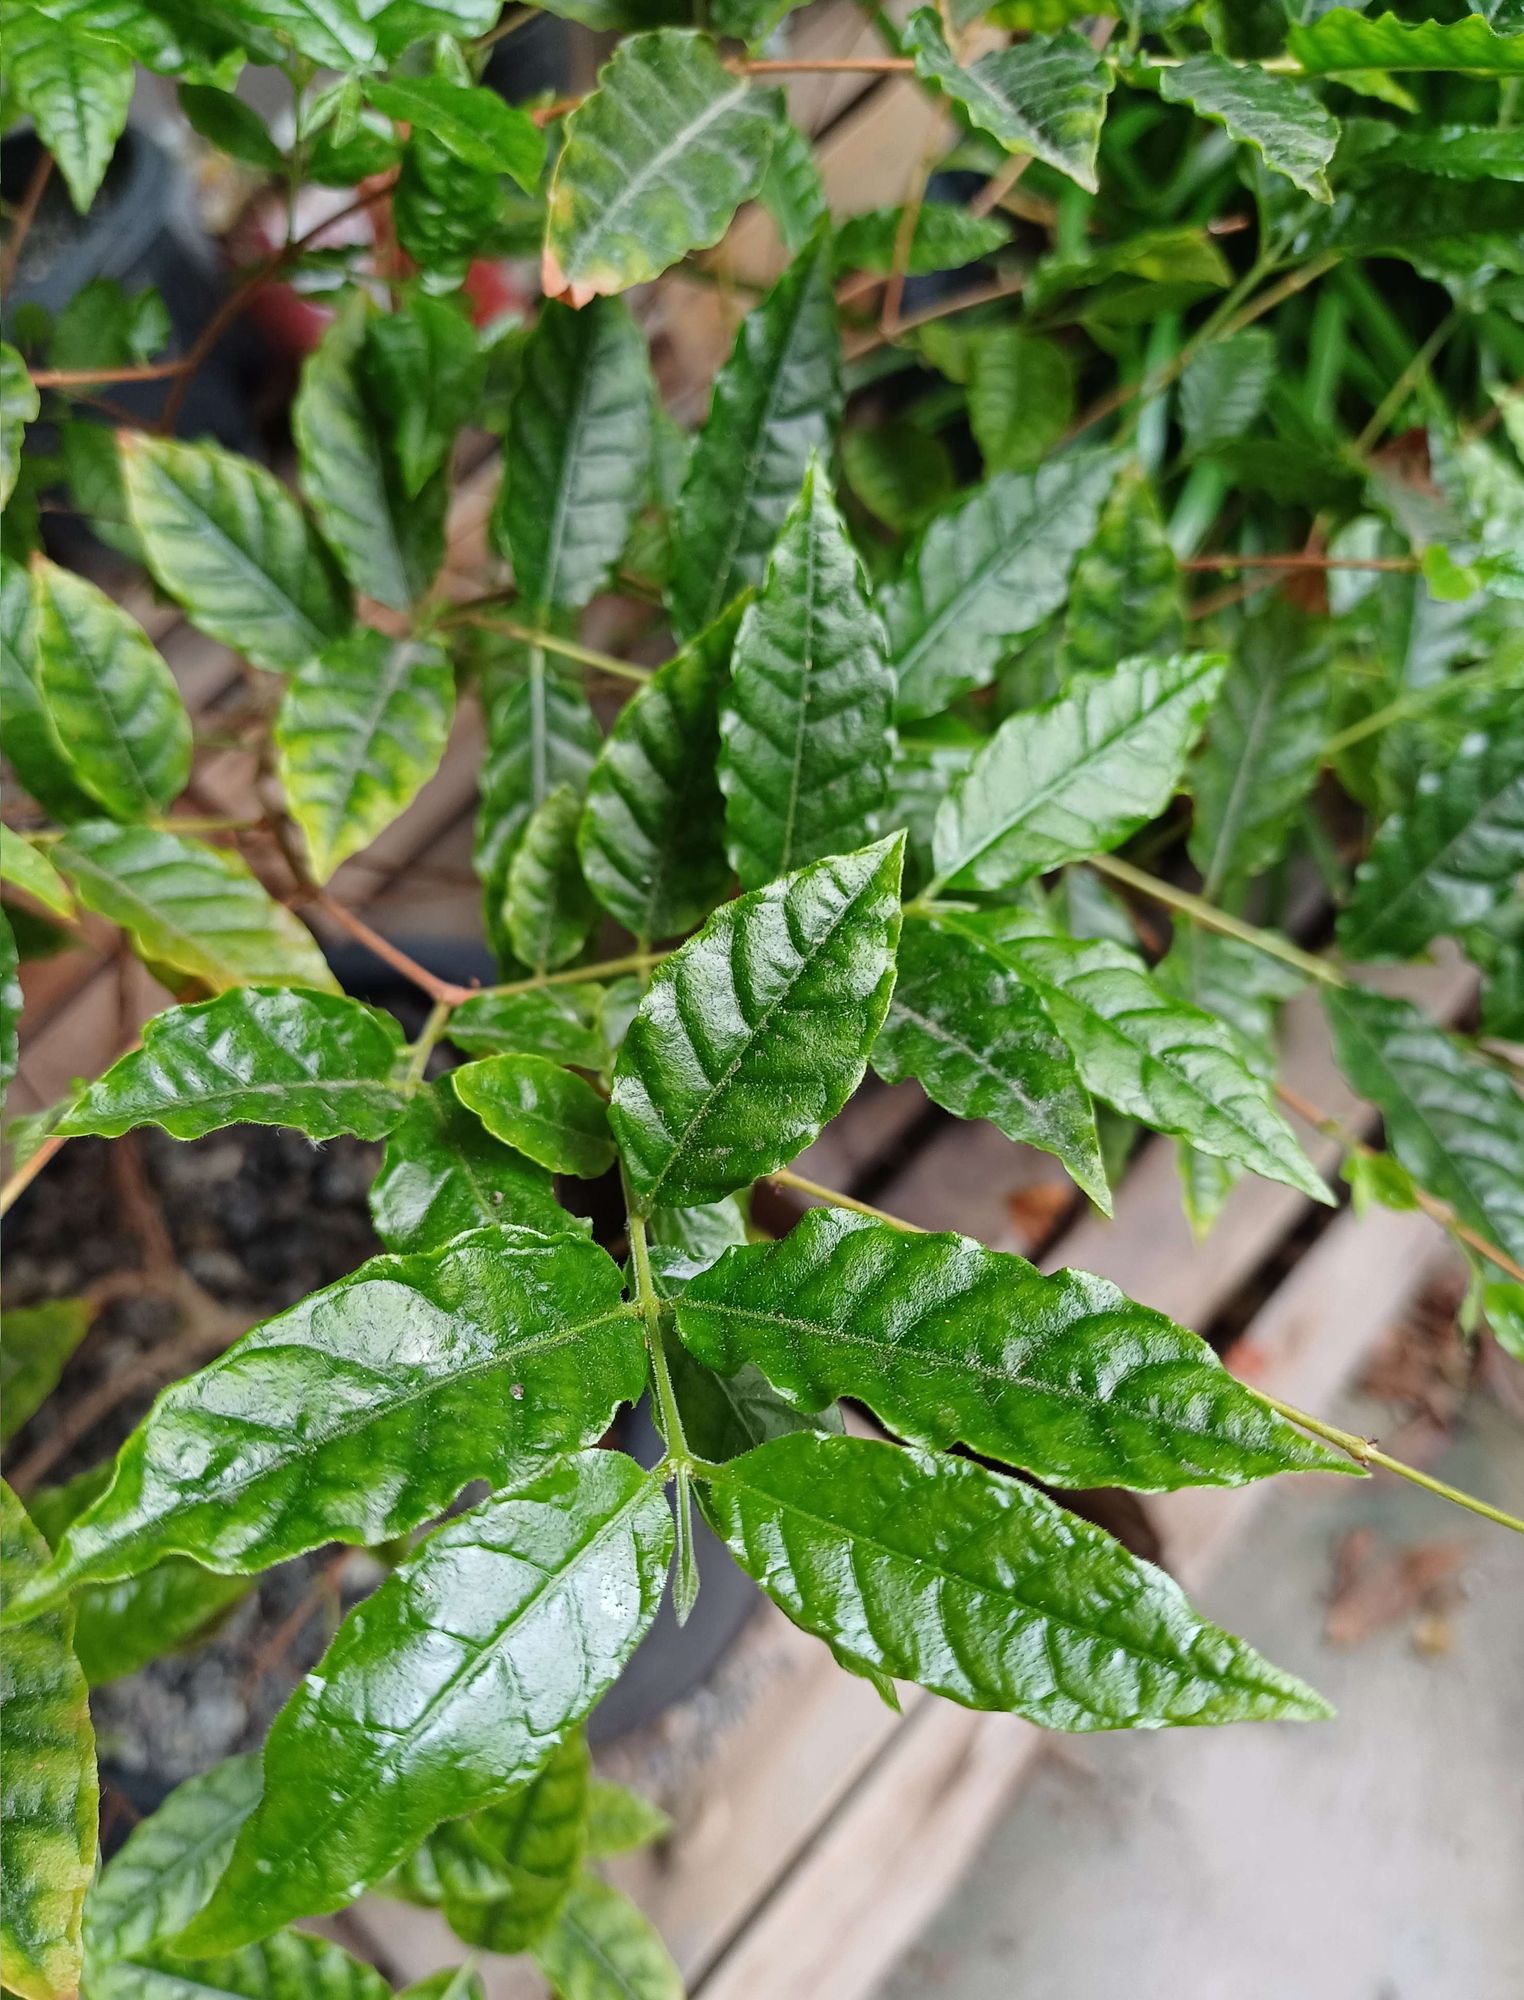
1203 912
1364 1452
552 642
1416 702
428 1037
785 1177
1406 382
571 975
685 1578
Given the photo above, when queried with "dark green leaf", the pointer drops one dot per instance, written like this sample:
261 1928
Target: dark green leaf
470 119
425 372
19 404
443 209
27 867
935 1570
93 468
791 191
290 1963
1020 397
451 1982
35 1342
1279 118
443 1173
77 87
724 1415
413 1716
619 1820
756 1032
1126 597
942 238
540 1109
233 127
602 1948
400 23
560 1022
1225 387
365 1409
32 748
1126 281
548 908
899 472
1346 40
534 1842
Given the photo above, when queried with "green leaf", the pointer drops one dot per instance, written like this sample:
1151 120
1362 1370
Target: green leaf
652 832
898 471
93 468
563 1023
313 1062
361 729
548 908
400 23
48 1791
389 542
602 1948
167 1866
1046 96
619 1820
19 404
528 1853
725 1415
32 748
199 909
980 1043
805 738
1458 152
792 191
949 1343
1345 40
1444 228
476 124
233 127
27 867
935 1570
77 87
1281 120
366 1408
425 371
578 453
756 1032
1127 280
776 400
985 572
35 1342
540 1109
1145 1053
110 697
443 1173
942 238
1448 857
331 32
1126 597
1078 775
1225 387
451 1982
1020 397
655 163
443 209
1264 743
289 1963
230 545
1453 1120
562 1571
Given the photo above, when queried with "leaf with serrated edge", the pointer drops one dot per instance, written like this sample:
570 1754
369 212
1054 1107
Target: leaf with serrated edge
199 909
986 571
48 1790
112 700
28 868
541 1109
35 1342
443 1173
1279 118
1077 775
756 1032
562 1023
1344 40
313 1062
360 730
547 906
412 1716
935 1570
655 163
77 88
230 545
1126 597
601 1946
289 1963
950 1343
366 1408
776 400
805 738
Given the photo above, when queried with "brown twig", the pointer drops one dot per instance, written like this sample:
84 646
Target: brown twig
384 949
26 210
1000 288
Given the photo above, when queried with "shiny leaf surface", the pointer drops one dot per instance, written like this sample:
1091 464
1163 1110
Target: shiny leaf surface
1126 598
425 370
19 404
562 1023
533 1843
443 1173
77 88
471 120
1345 40
28 868
540 1109
291 1965
1020 397
547 906
32 747
602 1948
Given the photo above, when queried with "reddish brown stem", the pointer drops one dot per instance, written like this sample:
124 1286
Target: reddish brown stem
26 210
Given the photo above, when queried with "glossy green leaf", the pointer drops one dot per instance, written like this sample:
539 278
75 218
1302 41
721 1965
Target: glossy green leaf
389 542
652 832
1453 1120
1123 281
1020 397
805 740
942 238
985 572
313 1062
35 1342
77 87
333 32
1145 1053
619 1820
199 909
470 119
1279 118
1448 857
792 191
1459 152
1346 40
544 1111
291 1963
756 1032
233 127
32 748
1444 228
48 1791
776 400
655 163
563 1023
27 867
602 1948
950 1343
19 404
230 545
1126 597
1046 96
1077 775
112 701
425 370
725 1415
548 907
1259 762
1225 387
443 209
980 1043
443 1173
935 1570
361 729
534 1841
578 452
366 1408
413 1716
